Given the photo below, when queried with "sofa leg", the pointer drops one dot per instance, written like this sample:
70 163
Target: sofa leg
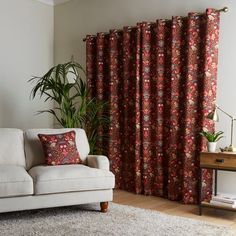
104 207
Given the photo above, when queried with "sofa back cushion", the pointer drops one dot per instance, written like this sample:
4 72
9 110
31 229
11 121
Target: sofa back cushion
34 151
12 147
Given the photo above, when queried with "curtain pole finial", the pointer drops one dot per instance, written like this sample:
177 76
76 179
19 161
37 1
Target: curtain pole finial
224 9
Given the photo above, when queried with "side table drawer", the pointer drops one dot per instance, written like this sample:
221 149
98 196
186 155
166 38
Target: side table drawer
219 160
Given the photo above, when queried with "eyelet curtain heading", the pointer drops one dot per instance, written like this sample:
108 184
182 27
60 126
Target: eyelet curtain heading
159 80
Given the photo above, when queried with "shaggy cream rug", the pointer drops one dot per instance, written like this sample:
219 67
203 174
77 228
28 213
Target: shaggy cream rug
87 220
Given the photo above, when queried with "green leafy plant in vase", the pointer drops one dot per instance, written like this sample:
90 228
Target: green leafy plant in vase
63 84
212 138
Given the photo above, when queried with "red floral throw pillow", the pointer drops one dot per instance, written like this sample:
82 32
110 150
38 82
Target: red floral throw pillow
60 149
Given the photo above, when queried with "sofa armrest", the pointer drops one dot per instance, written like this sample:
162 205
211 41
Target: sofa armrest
98 161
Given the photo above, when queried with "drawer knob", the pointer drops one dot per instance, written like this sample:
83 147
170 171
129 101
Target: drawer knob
219 160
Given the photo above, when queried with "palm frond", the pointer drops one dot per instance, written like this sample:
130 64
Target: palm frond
72 106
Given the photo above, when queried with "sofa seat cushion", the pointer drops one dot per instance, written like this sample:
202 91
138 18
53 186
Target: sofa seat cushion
15 181
70 178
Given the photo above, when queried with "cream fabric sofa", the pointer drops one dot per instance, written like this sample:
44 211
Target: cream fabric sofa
26 183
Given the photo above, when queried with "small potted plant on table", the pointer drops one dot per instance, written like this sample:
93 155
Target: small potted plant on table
212 138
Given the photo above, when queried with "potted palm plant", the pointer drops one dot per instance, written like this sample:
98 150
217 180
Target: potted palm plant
212 138
72 108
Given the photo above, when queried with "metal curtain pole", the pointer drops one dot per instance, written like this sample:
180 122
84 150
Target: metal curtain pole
224 9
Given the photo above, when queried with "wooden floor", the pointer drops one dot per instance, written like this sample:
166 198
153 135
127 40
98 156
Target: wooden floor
219 217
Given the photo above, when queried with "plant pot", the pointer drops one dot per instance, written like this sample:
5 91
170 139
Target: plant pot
211 146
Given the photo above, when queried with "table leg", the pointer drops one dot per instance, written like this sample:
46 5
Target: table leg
200 194
215 192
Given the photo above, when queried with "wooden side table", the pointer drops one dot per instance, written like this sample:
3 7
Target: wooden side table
225 161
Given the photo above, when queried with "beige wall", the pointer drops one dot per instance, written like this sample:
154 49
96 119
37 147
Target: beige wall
26 49
75 19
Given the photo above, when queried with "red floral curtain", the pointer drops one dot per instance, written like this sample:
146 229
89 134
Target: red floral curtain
160 82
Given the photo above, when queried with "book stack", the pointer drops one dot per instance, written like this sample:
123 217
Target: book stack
224 200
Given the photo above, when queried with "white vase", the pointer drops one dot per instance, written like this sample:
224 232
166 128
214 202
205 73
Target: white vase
211 146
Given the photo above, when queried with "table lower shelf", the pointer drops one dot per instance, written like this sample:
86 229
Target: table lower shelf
207 204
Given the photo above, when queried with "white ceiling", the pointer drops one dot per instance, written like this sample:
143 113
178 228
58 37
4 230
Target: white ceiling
53 2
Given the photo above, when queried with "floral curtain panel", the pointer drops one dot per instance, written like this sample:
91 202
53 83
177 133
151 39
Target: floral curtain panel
159 80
